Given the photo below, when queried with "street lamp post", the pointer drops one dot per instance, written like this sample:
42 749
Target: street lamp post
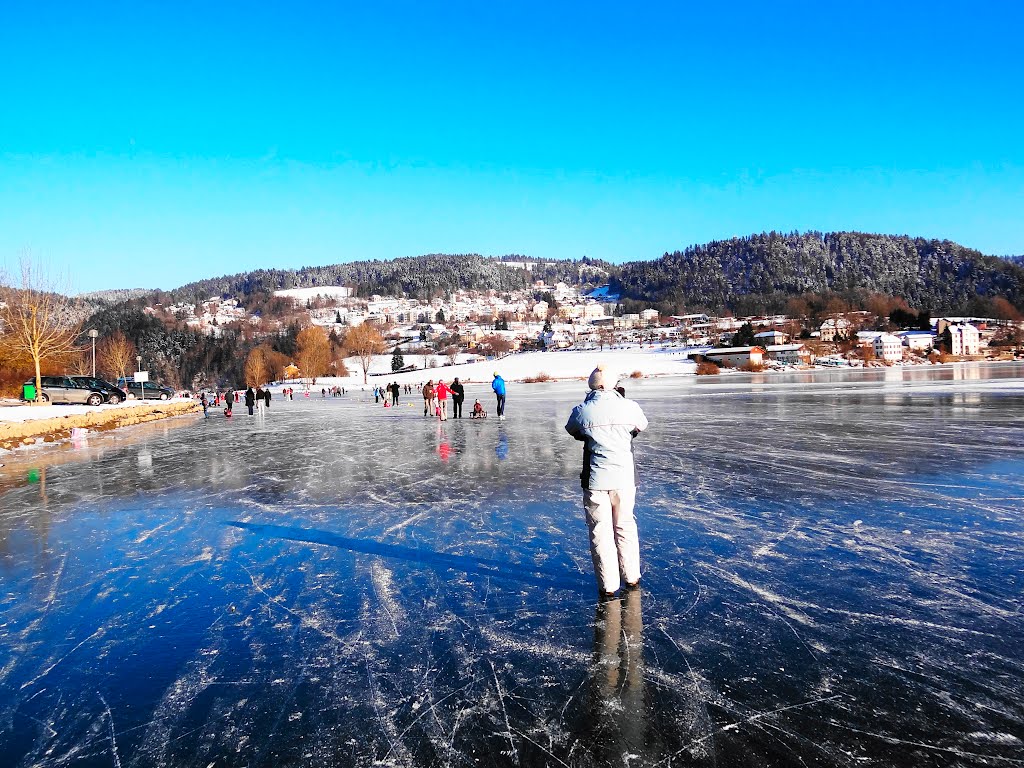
138 360
93 333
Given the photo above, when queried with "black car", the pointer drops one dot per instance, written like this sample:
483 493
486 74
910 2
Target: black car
150 391
113 394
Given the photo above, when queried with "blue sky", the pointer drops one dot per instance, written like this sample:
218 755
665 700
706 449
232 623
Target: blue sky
151 144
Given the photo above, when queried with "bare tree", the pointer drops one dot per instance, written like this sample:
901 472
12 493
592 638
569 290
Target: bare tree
256 368
80 363
115 355
452 353
364 341
314 351
498 345
264 365
39 323
276 362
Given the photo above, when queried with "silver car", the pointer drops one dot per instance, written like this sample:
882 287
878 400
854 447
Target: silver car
64 389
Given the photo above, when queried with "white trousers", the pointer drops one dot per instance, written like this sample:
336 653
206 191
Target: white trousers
614 543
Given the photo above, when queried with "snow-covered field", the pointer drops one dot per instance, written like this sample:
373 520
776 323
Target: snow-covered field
304 294
559 365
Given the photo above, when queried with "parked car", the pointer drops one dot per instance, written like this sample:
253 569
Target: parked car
153 390
64 389
114 394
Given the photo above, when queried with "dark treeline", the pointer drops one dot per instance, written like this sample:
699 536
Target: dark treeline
749 275
179 356
761 273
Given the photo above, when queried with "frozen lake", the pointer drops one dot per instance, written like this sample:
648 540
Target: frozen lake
833 576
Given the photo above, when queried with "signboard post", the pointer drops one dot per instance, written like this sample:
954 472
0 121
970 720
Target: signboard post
142 377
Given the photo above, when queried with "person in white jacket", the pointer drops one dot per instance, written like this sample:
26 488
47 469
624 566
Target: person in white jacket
606 423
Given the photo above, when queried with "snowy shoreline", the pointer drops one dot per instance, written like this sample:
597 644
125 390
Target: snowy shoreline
522 369
32 424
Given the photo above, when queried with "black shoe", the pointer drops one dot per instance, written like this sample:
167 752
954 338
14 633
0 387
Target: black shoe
607 597
631 585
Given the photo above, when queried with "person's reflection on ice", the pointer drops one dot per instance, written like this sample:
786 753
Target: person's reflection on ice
444 448
616 708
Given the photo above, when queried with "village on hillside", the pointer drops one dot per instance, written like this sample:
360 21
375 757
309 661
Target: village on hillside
475 325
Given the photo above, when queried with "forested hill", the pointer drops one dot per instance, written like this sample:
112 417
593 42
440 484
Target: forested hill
423 277
761 272
748 275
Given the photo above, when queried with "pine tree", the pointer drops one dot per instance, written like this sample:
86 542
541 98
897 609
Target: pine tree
397 361
744 337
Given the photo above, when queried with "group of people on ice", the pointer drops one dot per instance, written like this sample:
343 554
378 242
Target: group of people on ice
254 398
437 396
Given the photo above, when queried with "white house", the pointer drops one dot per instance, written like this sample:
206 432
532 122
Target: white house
789 354
774 338
649 316
688 320
918 341
888 347
835 327
736 356
964 339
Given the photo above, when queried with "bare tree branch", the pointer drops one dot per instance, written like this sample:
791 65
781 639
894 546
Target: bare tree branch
39 322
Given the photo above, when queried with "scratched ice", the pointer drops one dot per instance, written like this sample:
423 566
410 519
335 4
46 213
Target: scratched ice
833 577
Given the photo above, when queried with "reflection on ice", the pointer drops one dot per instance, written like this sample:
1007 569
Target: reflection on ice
617 710
833 576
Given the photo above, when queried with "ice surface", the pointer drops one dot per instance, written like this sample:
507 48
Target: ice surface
833 576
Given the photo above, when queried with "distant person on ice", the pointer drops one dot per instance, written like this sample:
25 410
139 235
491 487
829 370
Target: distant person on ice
250 399
606 423
458 396
441 391
428 397
498 385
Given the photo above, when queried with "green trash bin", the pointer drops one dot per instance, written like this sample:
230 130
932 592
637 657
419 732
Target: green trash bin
29 394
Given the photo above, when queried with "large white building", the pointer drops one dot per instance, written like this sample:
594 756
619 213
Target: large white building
888 347
964 339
